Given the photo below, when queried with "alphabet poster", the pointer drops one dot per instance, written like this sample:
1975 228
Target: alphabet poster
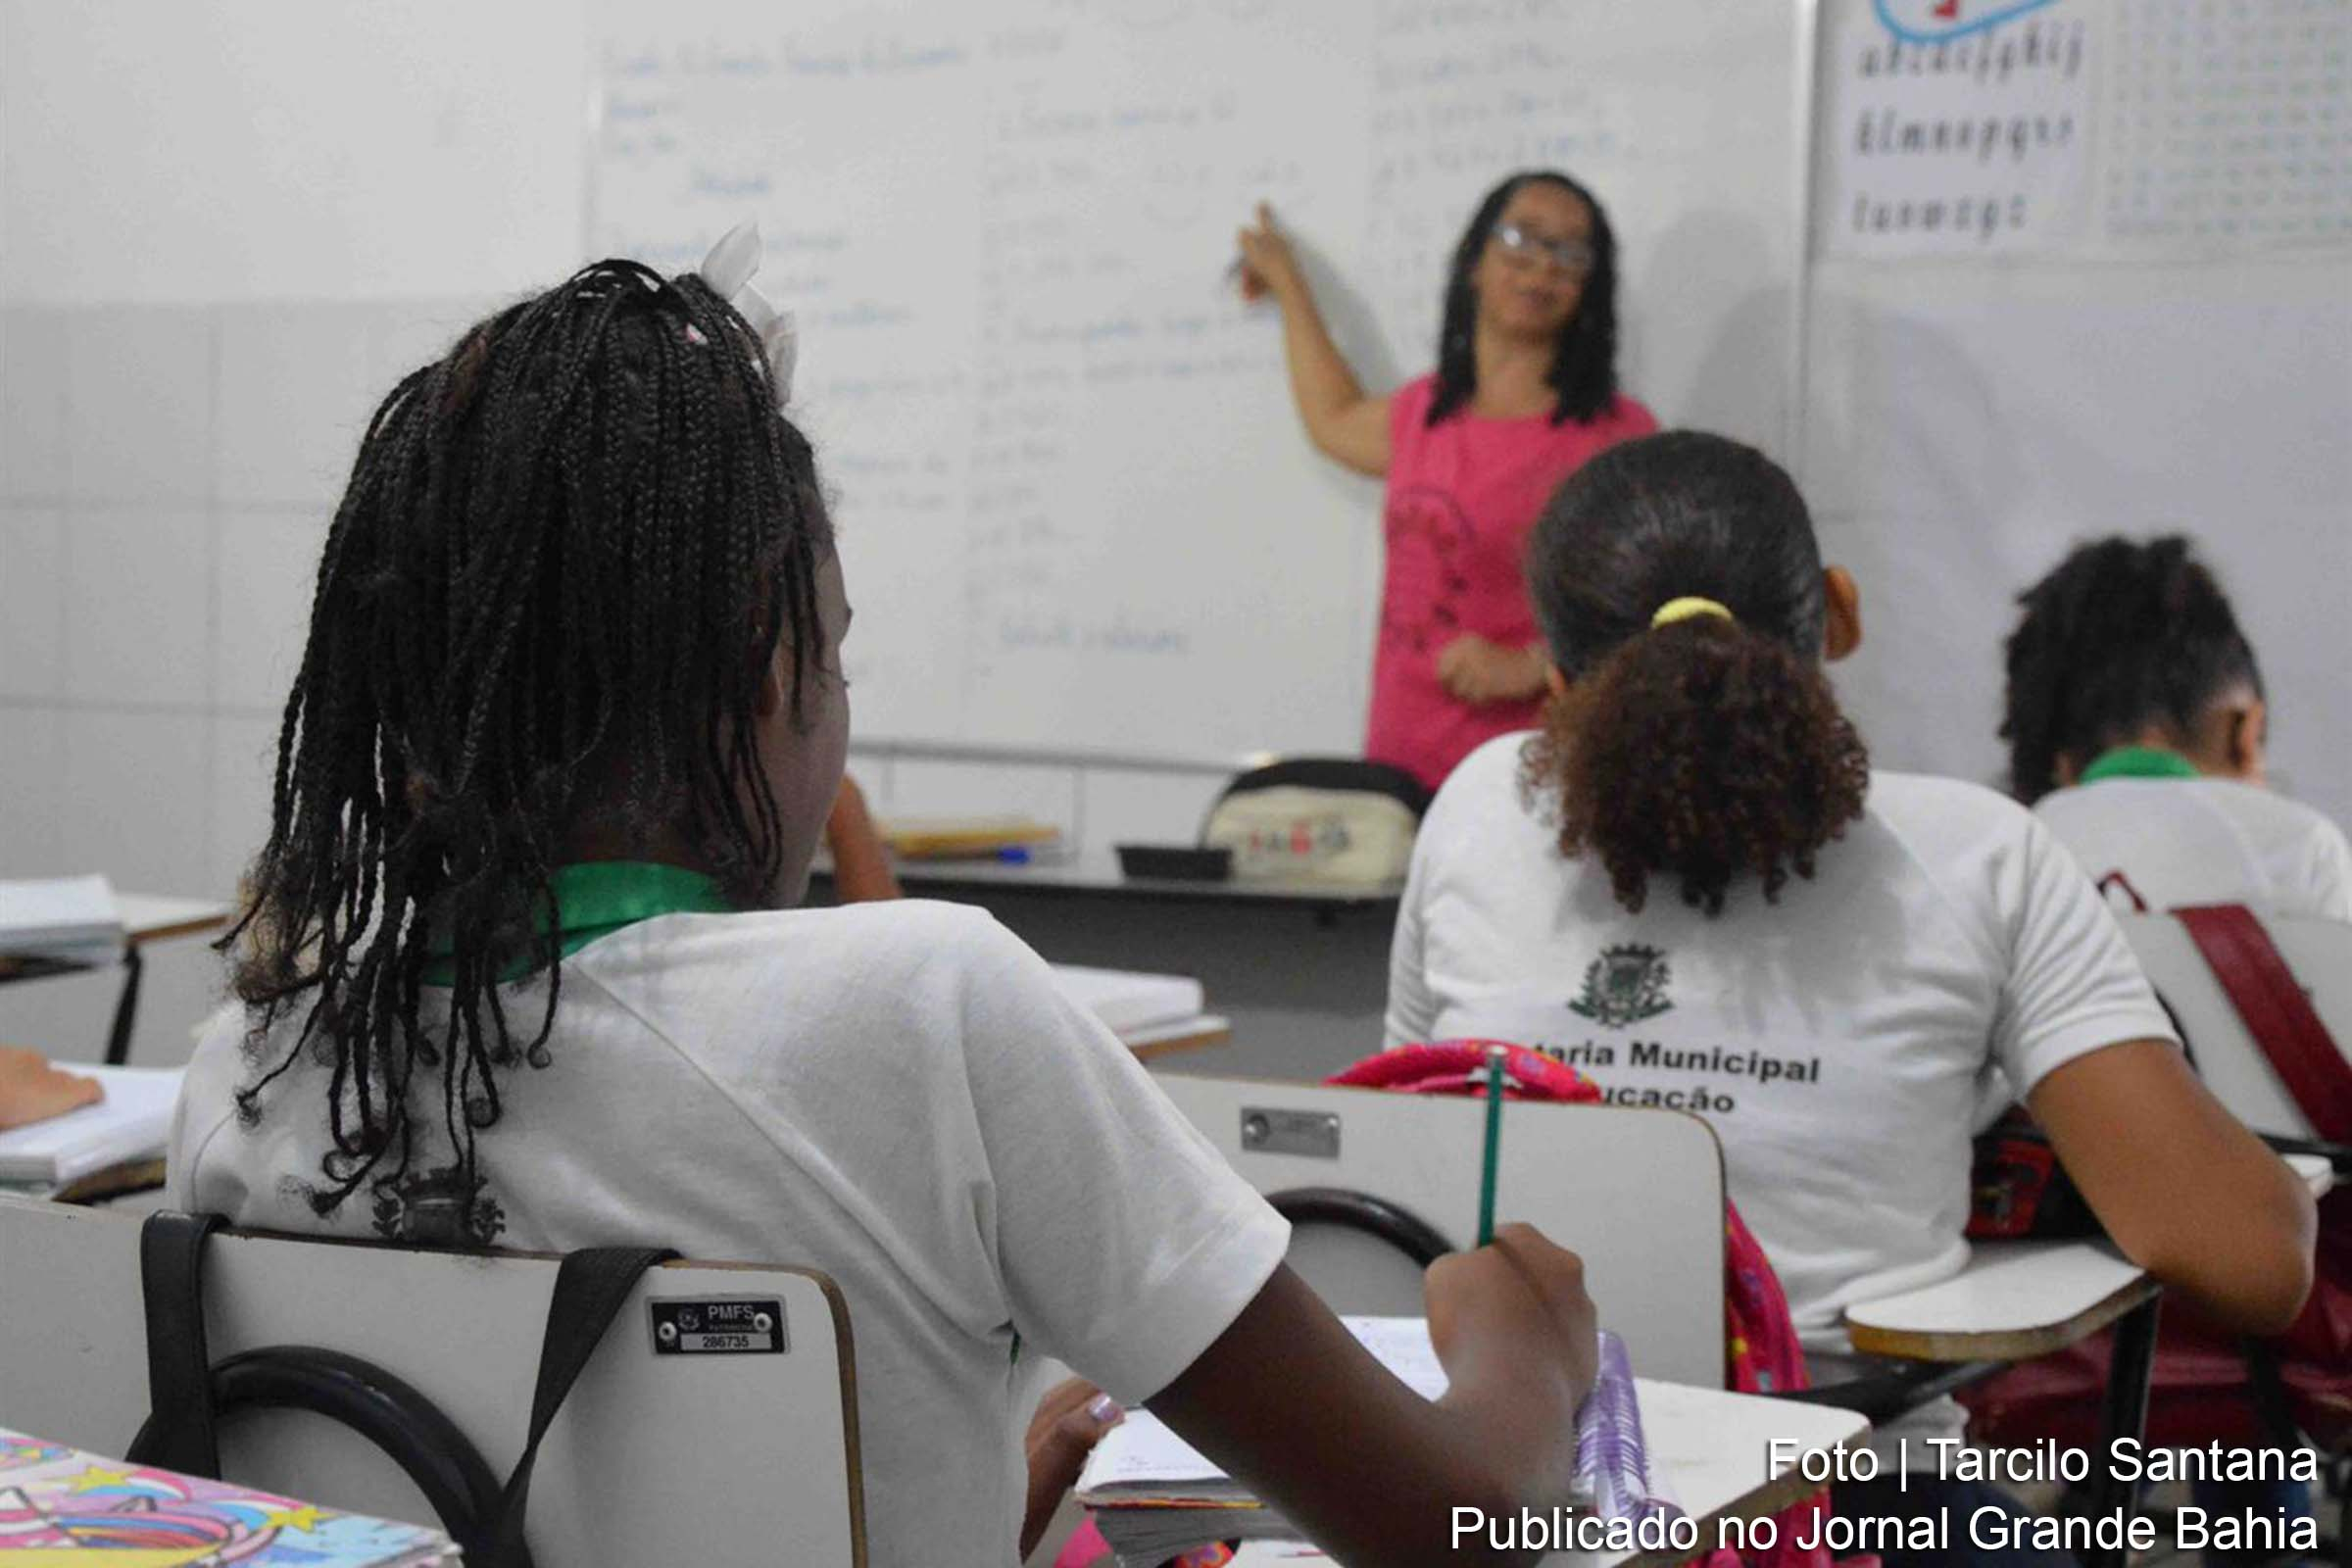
1955 126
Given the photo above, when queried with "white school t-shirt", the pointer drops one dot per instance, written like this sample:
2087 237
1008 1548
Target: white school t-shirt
895 1094
1835 1041
2182 841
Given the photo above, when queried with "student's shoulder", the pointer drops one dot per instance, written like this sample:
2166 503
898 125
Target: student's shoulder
1482 780
915 970
2275 816
1962 834
1920 799
1493 764
882 941
207 1088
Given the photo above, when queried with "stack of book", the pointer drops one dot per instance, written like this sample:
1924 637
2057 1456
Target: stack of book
65 1156
1142 1009
959 838
65 919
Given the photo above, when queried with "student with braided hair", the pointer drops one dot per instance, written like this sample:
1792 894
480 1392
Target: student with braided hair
1692 886
520 966
2135 722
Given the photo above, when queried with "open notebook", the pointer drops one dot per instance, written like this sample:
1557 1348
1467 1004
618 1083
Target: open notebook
62 1505
1153 1496
131 1122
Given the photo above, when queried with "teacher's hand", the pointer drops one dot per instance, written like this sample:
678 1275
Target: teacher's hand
1481 674
1267 263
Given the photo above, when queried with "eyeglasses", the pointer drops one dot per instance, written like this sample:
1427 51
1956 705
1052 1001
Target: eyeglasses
1571 255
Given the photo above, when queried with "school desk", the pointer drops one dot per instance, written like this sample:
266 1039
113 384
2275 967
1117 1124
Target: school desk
1712 1449
2019 1300
147 917
2016 1301
1300 969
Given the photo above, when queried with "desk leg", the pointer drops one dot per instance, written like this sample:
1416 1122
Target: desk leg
2126 1416
126 1008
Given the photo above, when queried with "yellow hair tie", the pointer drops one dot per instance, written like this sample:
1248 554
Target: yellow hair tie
1673 610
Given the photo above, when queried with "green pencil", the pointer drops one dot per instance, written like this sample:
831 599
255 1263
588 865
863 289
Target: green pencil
1485 1185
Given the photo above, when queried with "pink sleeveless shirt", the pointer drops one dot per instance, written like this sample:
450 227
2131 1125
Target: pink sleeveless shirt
1462 500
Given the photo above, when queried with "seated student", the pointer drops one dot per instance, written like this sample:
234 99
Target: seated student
520 967
1692 886
2135 722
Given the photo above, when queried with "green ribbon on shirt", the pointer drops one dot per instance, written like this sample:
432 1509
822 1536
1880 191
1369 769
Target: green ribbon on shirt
597 898
2138 761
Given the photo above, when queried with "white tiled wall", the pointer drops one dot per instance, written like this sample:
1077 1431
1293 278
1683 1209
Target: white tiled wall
166 476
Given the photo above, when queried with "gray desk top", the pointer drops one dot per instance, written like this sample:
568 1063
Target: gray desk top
1095 873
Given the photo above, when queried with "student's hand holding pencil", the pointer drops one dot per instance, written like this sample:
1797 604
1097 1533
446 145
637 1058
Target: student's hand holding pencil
1513 1310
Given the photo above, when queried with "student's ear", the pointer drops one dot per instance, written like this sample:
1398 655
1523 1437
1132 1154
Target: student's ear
774 692
1842 633
2245 740
1555 680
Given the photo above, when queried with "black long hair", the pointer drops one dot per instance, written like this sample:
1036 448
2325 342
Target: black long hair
1707 749
2123 634
550 596
1584 361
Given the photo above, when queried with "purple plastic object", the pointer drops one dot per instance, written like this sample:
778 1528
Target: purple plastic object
1612 1461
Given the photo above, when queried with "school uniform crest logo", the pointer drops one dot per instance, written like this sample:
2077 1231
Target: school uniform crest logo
1625 985
438 1208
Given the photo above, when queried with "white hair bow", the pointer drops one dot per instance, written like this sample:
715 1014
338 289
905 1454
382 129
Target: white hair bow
728 270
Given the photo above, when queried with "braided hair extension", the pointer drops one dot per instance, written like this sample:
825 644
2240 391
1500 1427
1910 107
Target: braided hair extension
2121 636
549 598
1584 360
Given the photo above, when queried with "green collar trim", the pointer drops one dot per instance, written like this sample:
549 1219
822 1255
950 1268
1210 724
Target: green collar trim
597 898
2138 761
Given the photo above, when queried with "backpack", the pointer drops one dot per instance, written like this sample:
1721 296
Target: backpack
1319 819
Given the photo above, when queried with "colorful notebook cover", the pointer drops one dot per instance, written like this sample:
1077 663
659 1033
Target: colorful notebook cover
63 1509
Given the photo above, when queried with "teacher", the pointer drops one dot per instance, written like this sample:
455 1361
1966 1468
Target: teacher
1525 391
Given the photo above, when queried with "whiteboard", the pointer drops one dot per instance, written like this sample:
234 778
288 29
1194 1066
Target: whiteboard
1077 512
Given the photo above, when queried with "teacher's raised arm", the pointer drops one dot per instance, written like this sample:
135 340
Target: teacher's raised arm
1524 392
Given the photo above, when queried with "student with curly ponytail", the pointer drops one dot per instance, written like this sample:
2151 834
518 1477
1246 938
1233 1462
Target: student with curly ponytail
1692 886
521 966
2135 722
